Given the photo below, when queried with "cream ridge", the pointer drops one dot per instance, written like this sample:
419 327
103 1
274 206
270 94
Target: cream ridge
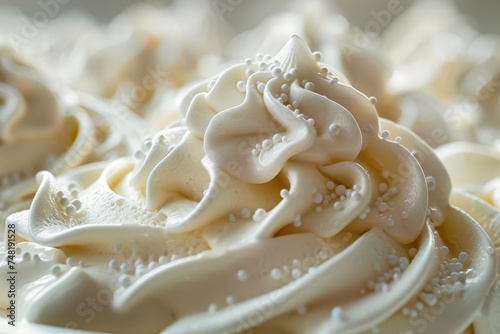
279 203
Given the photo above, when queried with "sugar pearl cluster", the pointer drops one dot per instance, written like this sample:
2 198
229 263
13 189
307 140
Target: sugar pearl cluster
337 195
299 267
382 203
449 282
130 265
266 63
69 200
143 151
397 266
246 213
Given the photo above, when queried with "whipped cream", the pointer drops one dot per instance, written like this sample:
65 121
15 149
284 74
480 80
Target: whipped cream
451 62
45 126
280 203
146 49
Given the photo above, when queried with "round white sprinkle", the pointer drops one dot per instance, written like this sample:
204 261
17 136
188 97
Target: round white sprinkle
310 121
287 76
245 213
317 198
275 274
70 261
55 270
356 195
309 86
285 88
259 215
490 250
124 267
125 281
60 194
412 252
284 193
26 256
373 100
70 210
242 275
261 87
383 187
248 72
277 138
212 308
463 257
230 300
317 55
248 61
337 206
113 264
405 215
337 313
267 144
276 71
431 183
382 207
340 190
444 250
297 220
333 129
64 201
390 222
296 273
74 193
241 86
232 218
255 152
385 134
77 204
36 257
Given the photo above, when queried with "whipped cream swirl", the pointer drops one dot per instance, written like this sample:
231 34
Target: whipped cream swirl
45 126
280 204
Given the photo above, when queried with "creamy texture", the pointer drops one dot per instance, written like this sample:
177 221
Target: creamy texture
474 172
45 126
280 203
365 61
451 62
147 48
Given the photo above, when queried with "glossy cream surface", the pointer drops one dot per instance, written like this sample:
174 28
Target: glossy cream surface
280 203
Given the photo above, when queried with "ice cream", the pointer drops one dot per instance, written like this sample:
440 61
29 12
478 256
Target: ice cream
280 203
45 126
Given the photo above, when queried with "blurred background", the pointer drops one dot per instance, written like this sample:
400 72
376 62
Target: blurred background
249 13
423 59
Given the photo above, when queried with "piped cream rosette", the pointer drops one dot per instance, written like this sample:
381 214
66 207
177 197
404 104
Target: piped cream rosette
280 204
44 126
